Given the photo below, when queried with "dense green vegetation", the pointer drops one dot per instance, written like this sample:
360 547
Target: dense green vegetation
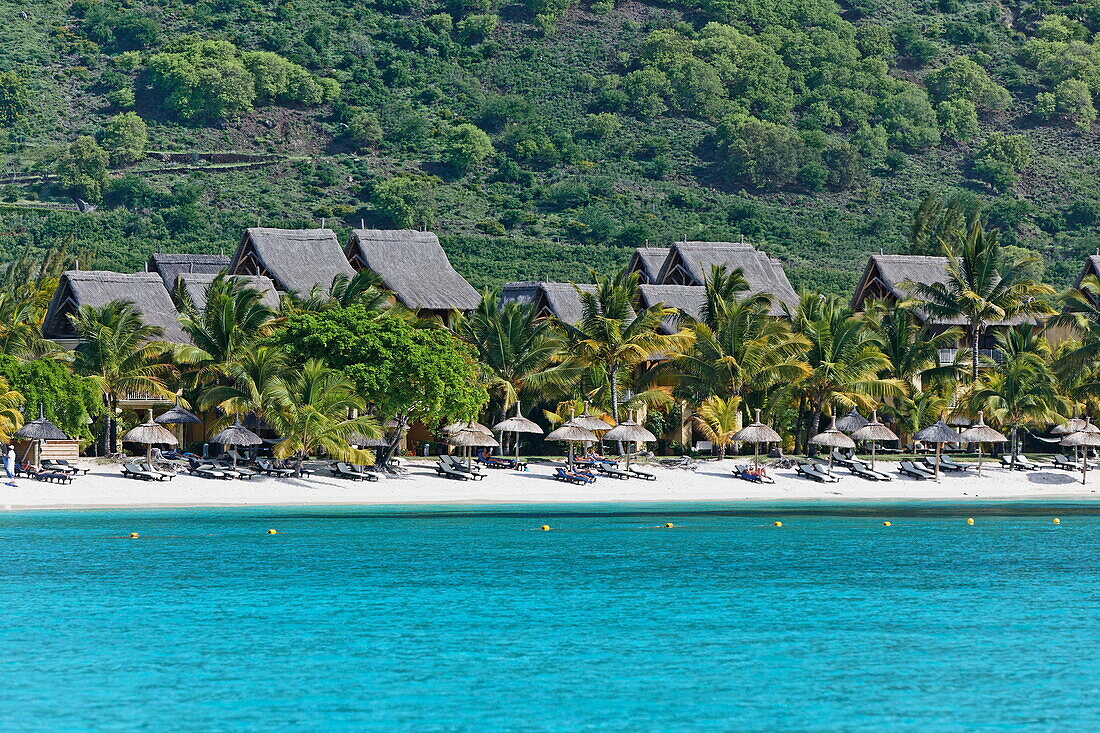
547 137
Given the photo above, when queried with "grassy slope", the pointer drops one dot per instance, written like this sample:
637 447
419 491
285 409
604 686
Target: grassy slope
824 238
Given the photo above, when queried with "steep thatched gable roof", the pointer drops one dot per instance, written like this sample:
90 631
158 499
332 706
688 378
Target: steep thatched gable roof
558 300
97 288
194 286
1092 267
171 266
690 263
886 276
648 263
296 260
688 299
414 267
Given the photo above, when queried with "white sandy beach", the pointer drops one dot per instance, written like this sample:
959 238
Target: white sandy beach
104 487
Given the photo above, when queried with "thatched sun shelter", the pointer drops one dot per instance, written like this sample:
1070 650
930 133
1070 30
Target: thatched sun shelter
414 267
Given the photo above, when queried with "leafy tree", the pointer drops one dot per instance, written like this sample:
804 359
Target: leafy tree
83 169
364 130
759 154
15 101
476 28
938 219
467 147
909 118
647 91
1000 157
1071 101
958 119
404 373
125 137
407 201
68 400
204 81
962 79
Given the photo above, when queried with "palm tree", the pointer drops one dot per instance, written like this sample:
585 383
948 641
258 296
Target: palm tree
982 287
122 356
250 385
229 326
1023 390
844 358
912 346
740 349
312 410
718 420
11 417
519 350
21 329
611 340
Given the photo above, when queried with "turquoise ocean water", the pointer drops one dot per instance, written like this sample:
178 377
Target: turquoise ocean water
472 620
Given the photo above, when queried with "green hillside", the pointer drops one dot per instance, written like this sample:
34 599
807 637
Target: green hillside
546 137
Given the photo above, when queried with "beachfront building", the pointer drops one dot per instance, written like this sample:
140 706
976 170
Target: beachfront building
296 260
414 267
561 301
888 278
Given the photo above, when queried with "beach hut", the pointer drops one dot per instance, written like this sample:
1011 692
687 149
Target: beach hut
981 433
647 262
37 432
193 289
756 433
631 433
414 267
832 438
688 300
938 433
171 266
572 434
874 432
150 433
296 260
517 424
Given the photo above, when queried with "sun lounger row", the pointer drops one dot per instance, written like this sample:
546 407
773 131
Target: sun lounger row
574 476
37 474
452 467
60 465
346 471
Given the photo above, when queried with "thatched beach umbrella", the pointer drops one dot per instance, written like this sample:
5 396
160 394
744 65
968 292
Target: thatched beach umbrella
832 438
477 427
178 416
37 431
1074 425
572 433
851 422
939 433
756 433
630 432
873 432
150 433
1082 439
471 438
981 433
238 436
517 424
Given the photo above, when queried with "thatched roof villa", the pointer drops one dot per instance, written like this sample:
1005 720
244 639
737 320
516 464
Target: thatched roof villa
413 266
558 300
194 287
688 299
296 260
690 264
97 288
170 266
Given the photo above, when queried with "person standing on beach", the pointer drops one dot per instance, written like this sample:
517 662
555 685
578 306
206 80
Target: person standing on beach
9 464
